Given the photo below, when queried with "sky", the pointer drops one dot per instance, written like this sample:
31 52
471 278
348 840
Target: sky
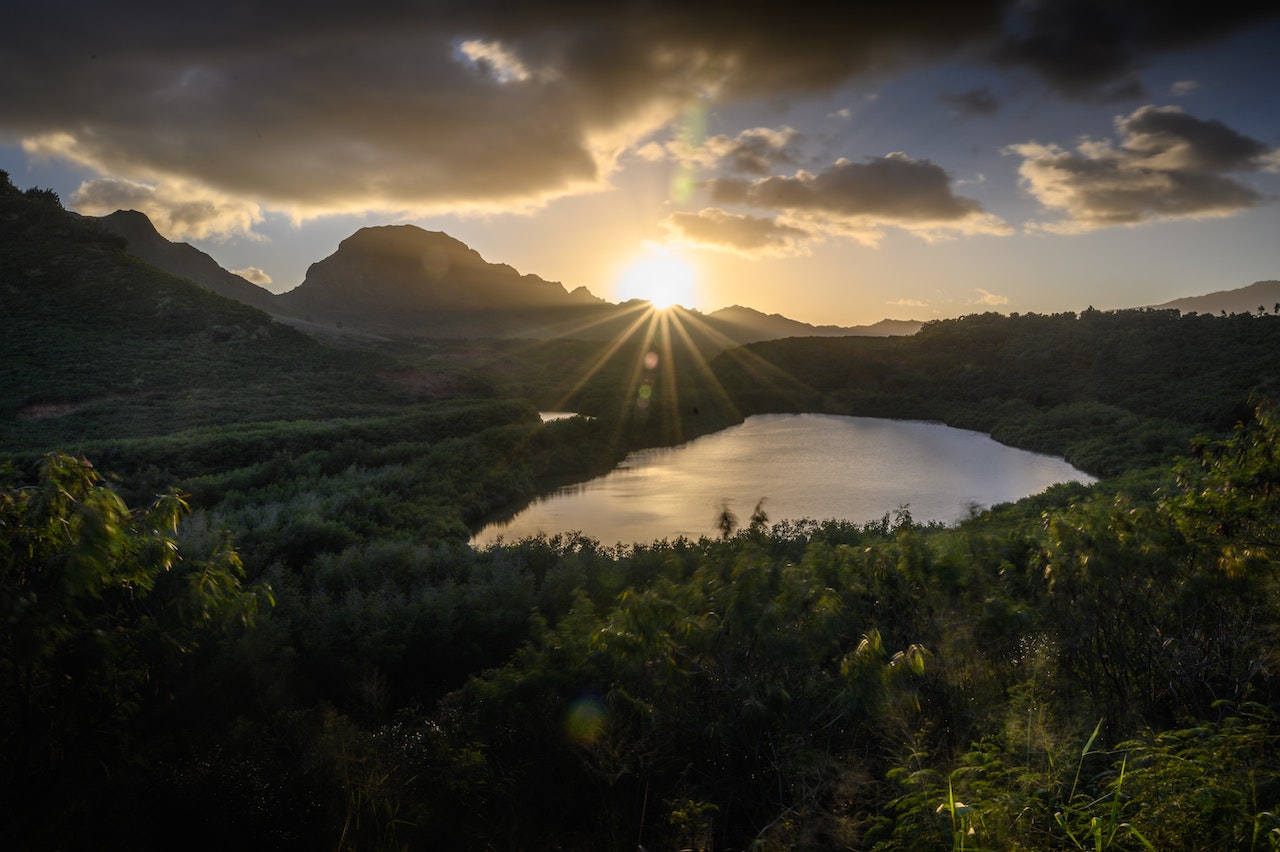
836 165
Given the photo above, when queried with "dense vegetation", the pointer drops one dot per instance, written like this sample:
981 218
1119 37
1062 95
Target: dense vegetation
298 648
1108 391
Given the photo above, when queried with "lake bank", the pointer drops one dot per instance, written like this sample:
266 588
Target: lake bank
802 465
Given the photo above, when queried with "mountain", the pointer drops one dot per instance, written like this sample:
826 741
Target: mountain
401 278
1243 300
184 260
747 325
98 343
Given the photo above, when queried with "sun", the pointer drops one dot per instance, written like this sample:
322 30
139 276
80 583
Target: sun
660 277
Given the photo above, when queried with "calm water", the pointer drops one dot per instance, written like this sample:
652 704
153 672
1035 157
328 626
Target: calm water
805 466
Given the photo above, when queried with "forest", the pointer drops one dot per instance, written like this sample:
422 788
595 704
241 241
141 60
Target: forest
239 606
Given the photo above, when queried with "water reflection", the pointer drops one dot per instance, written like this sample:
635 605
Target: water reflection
805 465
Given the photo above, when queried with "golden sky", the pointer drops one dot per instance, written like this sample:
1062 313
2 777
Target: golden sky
906 159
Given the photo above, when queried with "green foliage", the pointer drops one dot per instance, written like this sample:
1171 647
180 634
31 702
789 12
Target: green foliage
1228 503
1212 786
803 685
98 603
1108 391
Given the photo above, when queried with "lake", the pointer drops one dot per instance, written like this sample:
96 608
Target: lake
804 466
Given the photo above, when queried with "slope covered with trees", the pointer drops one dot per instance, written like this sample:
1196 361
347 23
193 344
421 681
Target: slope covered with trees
1108 391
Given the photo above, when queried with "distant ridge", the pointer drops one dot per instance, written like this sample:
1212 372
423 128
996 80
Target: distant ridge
1243 300
402 280
747 325
184 260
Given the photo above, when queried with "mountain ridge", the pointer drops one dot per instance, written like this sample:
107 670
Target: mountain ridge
183 259
404 280
1242 300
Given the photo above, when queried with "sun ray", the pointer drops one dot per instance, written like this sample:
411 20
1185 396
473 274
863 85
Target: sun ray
617 343
701 364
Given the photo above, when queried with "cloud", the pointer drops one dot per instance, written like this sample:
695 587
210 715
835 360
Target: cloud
859 199
908 303
254 274
495 60
1182 88
1168 165
1094 49
178 209
750 236
991 299
757 150
972 102
315 108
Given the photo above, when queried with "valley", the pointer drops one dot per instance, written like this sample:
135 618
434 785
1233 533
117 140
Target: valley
240 605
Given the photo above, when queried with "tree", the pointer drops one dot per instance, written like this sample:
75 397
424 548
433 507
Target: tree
96 603
726 521
1229 498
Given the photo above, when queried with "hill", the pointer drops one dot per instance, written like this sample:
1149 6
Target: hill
143 241
747 325
98 343
1107 390
770 688
404 281
401 278
1258 297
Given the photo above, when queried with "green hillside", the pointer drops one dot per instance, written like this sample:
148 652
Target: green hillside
252 619
97 343
1108 391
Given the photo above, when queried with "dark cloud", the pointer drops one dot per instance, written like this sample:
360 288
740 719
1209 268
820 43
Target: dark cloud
858 199
892 188
1093 49
1172 139
326 106
980 101
1168 165
752 236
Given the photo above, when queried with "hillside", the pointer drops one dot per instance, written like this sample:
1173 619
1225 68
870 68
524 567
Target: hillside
144 242
99 343
1107 390
304 658
1258 297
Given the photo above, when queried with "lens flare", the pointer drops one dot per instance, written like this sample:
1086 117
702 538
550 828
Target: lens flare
585 720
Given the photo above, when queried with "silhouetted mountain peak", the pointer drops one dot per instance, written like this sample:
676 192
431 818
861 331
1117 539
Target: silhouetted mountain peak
130 224
404 276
